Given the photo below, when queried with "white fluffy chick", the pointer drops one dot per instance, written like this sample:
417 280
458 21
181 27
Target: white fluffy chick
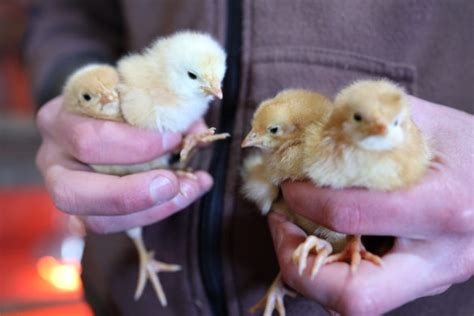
170 84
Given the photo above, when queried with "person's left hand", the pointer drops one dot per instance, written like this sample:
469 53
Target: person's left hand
433 222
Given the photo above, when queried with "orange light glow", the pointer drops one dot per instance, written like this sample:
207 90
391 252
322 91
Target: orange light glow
64 276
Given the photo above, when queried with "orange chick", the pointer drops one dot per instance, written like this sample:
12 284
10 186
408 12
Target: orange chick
278 129
369 141
92 91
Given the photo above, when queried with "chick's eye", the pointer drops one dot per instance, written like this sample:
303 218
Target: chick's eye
396 122
86 97
357 117
192 76
273 130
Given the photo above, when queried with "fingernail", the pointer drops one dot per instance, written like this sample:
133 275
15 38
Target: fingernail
162 189
206 181
187 189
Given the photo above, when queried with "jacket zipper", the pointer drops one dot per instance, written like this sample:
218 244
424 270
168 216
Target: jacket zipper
211 208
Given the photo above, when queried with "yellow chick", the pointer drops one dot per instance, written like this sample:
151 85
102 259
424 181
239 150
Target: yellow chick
92 91
369 141
166 88
278 130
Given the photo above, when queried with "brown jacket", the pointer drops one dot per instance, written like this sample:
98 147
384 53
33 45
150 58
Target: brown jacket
222 242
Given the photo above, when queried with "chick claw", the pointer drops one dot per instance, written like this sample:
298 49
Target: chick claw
193 140
353 252
274 296
149 268
300 255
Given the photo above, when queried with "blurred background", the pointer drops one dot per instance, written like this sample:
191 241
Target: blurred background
39 252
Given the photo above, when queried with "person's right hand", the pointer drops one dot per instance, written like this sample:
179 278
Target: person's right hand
109 203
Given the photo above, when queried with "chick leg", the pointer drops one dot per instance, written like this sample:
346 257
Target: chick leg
149 267
300 255
353 252
274 296
193 140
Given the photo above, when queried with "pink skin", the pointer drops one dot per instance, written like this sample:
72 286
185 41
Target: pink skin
110 203
433 222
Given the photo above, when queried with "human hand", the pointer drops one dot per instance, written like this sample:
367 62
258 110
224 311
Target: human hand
433 222
109 203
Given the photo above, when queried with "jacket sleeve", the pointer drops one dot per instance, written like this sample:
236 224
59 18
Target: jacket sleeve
62 35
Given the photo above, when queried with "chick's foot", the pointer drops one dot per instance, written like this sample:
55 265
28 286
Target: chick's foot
149 267
191 141
353 252
300 255
273 299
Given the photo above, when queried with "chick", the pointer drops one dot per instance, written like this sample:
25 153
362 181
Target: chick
166 88
369 141
170 84
278 129
92 91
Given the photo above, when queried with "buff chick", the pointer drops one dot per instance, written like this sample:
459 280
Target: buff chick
369 141
278 130
92 91
166 88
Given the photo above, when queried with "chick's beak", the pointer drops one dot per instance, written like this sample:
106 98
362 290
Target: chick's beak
378 129
104 99
213 89
251 140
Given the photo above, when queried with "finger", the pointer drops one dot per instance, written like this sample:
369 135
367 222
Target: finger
81 192
431 207
190 191
371 290
103 142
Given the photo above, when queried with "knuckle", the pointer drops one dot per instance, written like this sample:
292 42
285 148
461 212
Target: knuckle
63 198
468 263
357 302
146 149
458 216
191 190
287 275
342 217
457 220
43 119
96 225
82 142
40 159
127 201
